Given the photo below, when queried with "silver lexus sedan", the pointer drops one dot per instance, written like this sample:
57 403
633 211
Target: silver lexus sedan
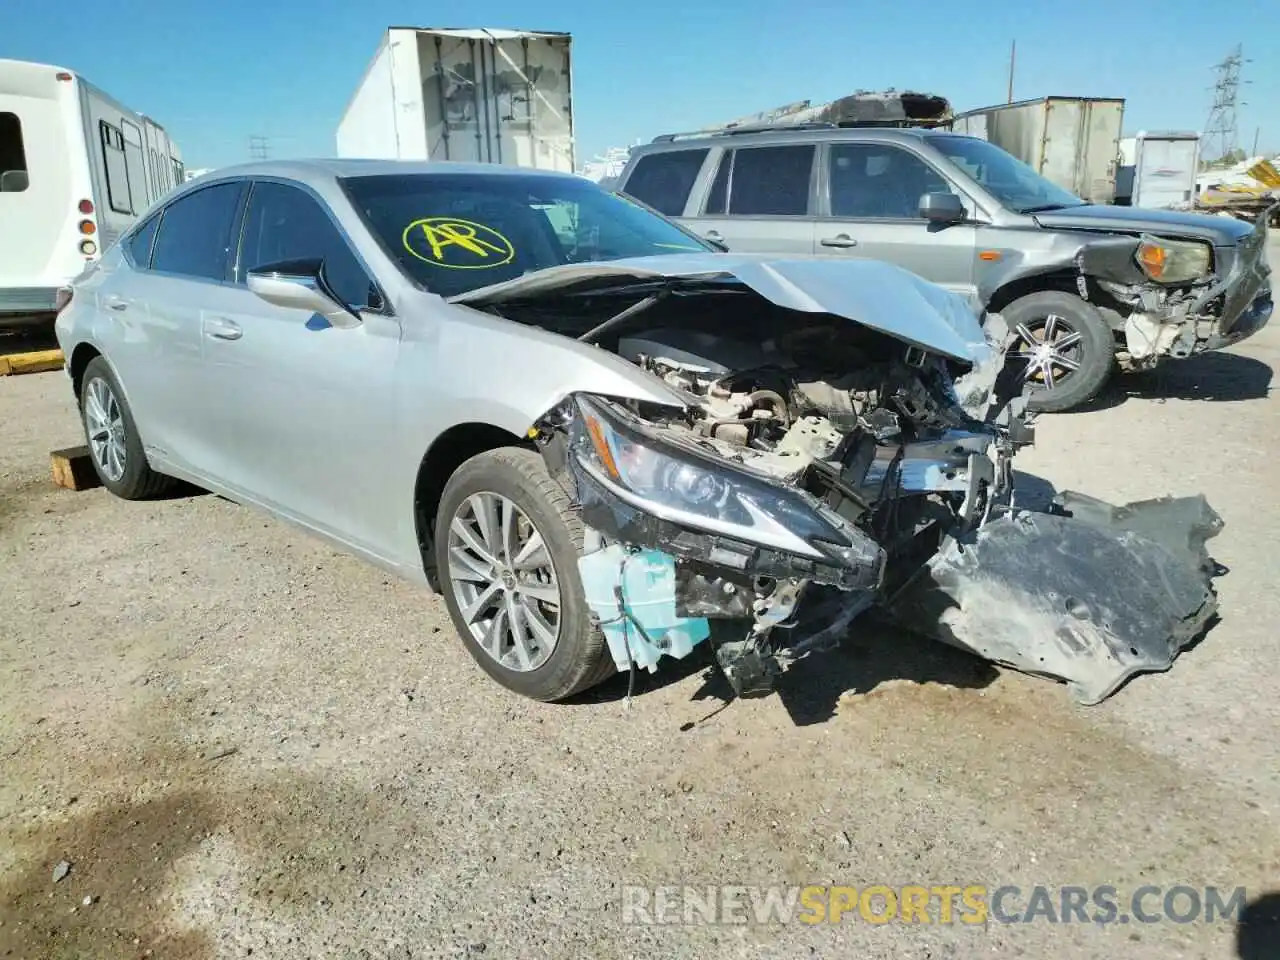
602 440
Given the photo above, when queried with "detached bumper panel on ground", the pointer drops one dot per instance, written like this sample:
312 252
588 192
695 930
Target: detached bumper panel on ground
1091 598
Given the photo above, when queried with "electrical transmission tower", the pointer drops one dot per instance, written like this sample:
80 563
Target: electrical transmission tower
258 148
1221 135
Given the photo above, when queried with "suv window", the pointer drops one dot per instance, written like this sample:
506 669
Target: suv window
880 181
195 233
663 180
140 243
285 223
763 181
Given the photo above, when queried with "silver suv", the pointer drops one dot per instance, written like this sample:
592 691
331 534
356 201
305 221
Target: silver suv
1081 286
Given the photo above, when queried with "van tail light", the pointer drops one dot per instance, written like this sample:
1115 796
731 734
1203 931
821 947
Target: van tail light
63 299
88 227
86 206
64 77
88 248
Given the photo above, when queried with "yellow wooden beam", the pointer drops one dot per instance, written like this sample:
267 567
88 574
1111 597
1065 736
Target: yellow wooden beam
32 362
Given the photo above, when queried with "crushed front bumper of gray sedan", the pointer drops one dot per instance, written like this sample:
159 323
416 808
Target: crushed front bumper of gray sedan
820 470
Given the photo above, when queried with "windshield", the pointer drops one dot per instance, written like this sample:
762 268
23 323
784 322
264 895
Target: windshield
1018 187
456 232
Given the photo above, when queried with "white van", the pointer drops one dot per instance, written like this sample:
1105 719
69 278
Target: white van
76 169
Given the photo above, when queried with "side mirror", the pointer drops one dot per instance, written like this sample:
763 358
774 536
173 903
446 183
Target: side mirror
300 285
942 207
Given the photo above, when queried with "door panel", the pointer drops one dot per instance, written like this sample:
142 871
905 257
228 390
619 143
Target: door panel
761 200
156 305
303 417
871 198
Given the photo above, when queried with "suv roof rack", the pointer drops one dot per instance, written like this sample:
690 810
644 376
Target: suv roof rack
809 125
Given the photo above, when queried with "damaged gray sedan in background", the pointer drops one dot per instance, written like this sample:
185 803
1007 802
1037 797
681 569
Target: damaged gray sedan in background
604 442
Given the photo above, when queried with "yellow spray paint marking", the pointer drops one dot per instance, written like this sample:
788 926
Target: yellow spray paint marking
457 244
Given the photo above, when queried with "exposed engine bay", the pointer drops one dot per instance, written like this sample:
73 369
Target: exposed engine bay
821 468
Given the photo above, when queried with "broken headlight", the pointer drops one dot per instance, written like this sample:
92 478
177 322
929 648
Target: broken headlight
1174 261
695 491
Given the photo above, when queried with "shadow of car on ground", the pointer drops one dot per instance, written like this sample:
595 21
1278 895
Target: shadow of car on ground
1217 377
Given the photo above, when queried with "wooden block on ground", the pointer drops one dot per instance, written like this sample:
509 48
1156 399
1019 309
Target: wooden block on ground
33 362
72 469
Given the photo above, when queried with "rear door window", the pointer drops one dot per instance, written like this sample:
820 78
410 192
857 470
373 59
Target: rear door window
878 181
194 239
763 182
13 155
663 180
284 223
140 243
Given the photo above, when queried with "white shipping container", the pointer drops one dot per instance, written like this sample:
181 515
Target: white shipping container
1164 169
1073 141
479 95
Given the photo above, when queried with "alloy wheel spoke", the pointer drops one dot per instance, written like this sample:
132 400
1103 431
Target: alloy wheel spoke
93 408
545 592
519 633
1026 335
491 639
544 632
470 568
482 602
482 509
508 519
1066 340
466 533
533 554
1050 326
1065 362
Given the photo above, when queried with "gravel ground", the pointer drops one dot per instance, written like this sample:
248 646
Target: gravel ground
243 743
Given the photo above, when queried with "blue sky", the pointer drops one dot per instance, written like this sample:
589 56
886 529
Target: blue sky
216 73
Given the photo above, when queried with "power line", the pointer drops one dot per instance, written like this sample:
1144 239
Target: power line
259 148
1221 130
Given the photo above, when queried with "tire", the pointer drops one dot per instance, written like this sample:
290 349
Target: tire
1092 350
578 657
111 433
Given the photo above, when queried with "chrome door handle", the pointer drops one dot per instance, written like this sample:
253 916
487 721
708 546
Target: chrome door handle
115 303
839 240
714 235
221 328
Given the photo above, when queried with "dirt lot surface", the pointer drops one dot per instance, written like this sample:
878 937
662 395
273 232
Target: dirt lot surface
243 743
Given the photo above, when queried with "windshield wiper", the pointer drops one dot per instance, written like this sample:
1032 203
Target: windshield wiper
1046 207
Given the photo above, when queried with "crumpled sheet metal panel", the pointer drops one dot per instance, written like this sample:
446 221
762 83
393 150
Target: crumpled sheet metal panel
1090 599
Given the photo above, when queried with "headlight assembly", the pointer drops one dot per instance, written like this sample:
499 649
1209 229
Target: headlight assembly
700 493
1174 261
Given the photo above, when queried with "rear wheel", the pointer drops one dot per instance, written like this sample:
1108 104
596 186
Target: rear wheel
507 542
1068 346
112 435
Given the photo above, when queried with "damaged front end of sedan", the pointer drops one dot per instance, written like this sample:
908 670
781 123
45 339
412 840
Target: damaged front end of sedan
820 469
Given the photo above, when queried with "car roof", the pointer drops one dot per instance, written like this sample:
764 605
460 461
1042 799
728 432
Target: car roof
328 169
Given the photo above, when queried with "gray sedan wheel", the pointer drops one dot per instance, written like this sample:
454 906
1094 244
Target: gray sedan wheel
507 542
112 437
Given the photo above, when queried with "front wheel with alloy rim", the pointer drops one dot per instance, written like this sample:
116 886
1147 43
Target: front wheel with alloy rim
1068 347
112 435
507 542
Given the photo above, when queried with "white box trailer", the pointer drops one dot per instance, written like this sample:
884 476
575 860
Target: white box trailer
1073 141
479 95
76 169
1158 170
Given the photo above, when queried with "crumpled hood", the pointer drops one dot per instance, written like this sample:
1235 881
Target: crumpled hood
878 295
